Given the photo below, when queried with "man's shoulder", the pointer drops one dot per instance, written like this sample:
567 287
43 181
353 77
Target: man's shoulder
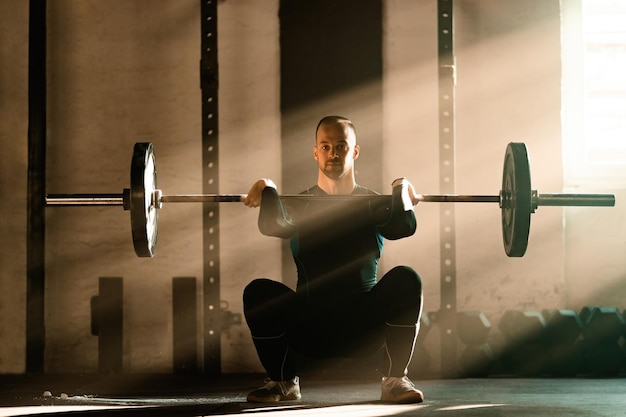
315 190
359 189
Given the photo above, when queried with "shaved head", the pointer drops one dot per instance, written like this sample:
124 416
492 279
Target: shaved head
336 120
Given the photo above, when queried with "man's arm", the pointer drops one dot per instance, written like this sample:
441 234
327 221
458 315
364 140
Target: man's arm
273 220
400 218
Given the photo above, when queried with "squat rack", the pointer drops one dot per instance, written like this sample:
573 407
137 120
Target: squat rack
35 328
36 187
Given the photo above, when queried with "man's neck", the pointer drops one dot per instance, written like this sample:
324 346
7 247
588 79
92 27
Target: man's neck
341 186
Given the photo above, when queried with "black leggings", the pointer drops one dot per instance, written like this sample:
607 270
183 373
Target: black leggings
358 325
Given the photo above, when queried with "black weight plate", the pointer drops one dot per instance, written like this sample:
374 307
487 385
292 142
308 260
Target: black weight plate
516 199
143 213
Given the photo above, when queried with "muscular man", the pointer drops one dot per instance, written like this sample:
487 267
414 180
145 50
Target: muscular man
339 307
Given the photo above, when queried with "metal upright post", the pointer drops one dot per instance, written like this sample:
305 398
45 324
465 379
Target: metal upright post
210 178
447 73
36 227
108 324
184 328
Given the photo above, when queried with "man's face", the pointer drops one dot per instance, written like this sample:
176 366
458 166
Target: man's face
335 150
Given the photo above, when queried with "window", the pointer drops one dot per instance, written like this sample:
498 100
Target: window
594 90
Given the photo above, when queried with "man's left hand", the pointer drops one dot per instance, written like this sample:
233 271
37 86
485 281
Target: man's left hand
408 192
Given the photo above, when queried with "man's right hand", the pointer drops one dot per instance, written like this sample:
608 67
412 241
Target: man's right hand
253 199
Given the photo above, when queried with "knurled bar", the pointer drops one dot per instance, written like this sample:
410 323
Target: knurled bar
230 198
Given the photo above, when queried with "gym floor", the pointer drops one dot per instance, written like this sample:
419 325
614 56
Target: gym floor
168 395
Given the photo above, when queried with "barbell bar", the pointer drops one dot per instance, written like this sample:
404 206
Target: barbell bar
516 199
118 199
538 199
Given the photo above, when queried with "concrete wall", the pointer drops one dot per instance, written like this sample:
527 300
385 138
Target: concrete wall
127 71
13 170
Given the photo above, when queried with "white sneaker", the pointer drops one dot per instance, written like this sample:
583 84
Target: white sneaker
400 390
275 391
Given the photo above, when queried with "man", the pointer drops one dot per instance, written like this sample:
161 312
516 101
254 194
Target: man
338 309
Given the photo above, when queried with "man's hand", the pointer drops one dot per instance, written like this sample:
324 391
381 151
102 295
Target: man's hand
409 196
253 199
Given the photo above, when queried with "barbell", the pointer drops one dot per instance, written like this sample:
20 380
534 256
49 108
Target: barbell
516 199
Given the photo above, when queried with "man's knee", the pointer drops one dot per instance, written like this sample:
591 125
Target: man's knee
265 291
254 287
407 278
256 291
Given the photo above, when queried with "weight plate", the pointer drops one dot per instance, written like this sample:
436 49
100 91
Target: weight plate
143 213
516 200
